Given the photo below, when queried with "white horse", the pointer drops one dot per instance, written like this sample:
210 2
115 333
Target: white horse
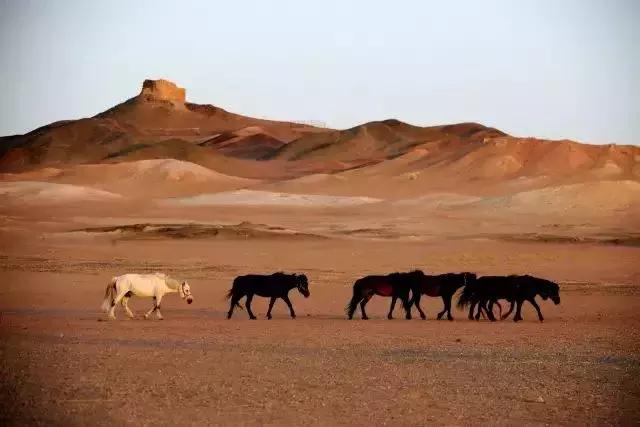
155 286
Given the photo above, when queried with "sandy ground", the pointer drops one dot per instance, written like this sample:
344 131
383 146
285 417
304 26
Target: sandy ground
62 364
336 205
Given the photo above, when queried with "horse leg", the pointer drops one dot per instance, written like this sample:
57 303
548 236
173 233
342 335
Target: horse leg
472 309
393 305
125 304
537 307
406 303
288 301
499 308
248 305
116 301
508 313
416 301
148 313
362 304
490 310
483 309
158 300
447 306
271 302
480 304
444 310
518 315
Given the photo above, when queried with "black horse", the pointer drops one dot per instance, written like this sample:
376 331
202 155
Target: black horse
515 289
276 285
482 294
443 285
394 285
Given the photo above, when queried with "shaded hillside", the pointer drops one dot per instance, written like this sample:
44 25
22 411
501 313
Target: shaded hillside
248 143
482 165
379 141
158 113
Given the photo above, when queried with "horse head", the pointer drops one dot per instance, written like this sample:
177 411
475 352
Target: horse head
416 275
548 289
185 292
302 284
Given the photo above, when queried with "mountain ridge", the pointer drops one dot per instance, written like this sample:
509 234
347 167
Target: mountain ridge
159 123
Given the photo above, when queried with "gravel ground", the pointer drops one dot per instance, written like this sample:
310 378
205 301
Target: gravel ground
62 364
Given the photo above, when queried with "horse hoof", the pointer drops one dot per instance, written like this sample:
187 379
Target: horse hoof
365 318
252 318
390 317
268 317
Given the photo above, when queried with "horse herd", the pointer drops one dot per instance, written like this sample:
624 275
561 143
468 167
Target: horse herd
479 293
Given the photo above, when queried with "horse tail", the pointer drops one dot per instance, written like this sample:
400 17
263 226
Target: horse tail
465 298
357 296
109 293
230 294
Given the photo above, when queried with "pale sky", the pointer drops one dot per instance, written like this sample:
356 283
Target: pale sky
553 69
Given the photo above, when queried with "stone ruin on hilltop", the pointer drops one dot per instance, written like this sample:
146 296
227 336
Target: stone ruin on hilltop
162 90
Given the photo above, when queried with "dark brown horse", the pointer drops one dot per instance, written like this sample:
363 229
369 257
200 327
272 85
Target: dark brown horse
443 285
395 285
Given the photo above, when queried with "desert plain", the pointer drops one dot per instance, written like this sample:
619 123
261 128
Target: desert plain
158 184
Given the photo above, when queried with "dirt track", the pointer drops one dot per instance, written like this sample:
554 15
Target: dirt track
62 365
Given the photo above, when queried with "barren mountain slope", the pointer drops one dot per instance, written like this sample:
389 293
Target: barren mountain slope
386 159
158 113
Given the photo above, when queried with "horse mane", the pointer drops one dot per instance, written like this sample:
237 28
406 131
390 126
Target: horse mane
171 282
454 277
284 277
547 284
282 274
538 281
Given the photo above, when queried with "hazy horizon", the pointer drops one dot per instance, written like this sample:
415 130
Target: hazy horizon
559 70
